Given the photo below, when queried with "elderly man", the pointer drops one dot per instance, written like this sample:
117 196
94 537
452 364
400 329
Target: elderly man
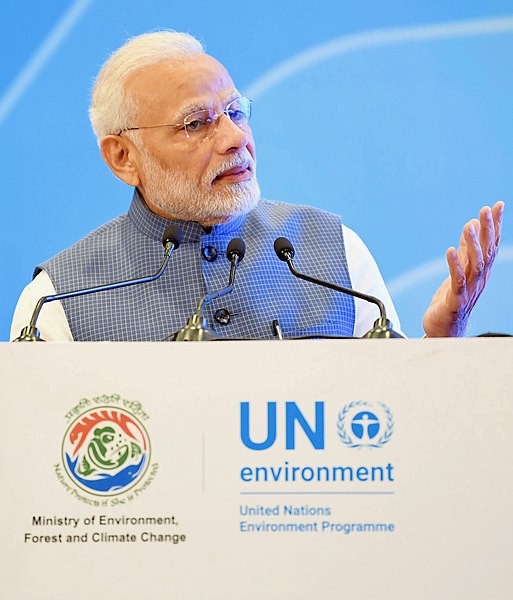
171 123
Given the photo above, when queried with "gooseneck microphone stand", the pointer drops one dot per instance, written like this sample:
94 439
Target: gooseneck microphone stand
171 240
382 326
196 329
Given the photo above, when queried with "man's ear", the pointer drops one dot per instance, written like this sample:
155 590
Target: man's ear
119 154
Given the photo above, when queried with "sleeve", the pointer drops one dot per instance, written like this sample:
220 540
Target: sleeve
366 277
52 322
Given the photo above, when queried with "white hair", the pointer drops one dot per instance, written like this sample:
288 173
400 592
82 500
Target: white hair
111 108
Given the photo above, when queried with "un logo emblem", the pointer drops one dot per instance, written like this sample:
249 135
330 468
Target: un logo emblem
363 425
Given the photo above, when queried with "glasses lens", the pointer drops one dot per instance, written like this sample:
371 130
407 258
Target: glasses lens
239 111
197 124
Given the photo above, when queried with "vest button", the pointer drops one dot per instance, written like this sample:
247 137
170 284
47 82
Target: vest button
222 316
209 253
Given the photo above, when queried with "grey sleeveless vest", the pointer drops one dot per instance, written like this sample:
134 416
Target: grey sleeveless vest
130 246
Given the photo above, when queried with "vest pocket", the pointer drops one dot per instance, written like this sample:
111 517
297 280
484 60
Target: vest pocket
326 328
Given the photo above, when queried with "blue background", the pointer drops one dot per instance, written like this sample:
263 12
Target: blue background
396 115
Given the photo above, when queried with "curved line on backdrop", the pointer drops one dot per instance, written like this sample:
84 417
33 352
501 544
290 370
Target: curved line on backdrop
387 37
373 39
432 269
41 56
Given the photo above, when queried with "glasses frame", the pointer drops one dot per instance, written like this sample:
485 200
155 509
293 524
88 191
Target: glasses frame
213 117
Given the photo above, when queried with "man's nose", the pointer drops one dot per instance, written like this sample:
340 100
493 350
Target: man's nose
230 136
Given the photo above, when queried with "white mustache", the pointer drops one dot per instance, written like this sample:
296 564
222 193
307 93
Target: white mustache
234 161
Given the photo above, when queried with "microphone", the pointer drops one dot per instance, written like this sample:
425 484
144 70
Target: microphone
171 240
382 327
196 329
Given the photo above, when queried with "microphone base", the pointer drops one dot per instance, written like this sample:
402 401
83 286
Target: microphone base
382 330
29 334
196 330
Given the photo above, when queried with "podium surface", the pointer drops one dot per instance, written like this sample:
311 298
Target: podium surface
258 470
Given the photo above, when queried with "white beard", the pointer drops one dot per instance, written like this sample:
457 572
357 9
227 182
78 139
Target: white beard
181 198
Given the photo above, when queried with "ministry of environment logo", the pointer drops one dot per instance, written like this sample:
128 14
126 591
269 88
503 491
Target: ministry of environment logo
106 451
362 424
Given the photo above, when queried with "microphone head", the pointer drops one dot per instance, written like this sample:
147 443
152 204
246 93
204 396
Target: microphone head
284 249
236 247
173 233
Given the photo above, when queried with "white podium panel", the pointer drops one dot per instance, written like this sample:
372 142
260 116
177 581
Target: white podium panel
258 470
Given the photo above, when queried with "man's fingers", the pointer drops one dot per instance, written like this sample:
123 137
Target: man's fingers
497 214
469 267
475 266
456 272
462 248
487 235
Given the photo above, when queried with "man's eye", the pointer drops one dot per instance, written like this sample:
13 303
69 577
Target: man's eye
195 124
237 116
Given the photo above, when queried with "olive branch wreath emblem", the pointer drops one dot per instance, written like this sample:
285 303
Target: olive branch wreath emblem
346 438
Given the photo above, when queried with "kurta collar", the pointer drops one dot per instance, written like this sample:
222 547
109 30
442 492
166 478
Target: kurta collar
153 226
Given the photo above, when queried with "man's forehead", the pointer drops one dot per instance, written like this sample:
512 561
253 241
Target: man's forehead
208 101
184 85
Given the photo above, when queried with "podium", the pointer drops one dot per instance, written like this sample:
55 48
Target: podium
258 470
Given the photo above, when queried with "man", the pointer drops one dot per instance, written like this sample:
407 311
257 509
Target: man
171 123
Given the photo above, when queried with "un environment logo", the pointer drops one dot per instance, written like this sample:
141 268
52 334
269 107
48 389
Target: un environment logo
106 451
362 424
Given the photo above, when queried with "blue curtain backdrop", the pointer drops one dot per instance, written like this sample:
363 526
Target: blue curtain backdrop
396 115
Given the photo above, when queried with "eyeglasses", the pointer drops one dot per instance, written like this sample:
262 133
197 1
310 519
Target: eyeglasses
202 124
